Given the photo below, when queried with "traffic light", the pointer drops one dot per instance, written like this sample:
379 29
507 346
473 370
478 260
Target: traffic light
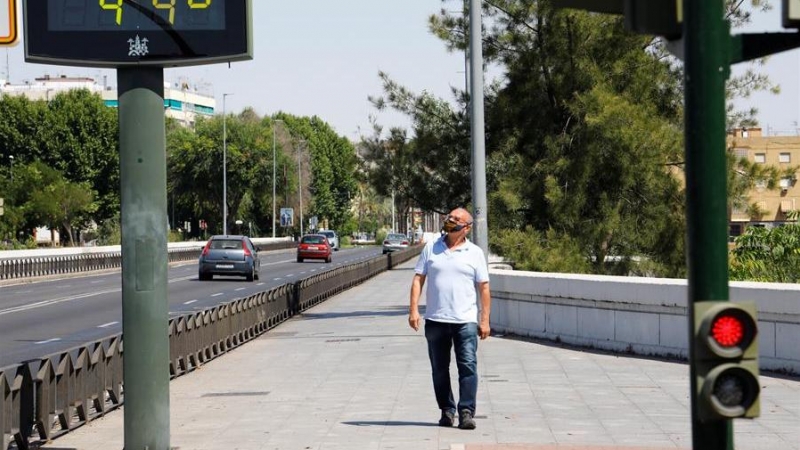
726 360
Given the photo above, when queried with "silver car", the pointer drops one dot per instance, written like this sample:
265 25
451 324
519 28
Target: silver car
395 242
333 238
229 255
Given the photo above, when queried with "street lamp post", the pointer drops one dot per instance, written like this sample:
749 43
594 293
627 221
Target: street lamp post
274 172
11 157
300 184
224 167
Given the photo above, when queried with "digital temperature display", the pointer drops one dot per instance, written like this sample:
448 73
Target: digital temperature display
116 33
119 15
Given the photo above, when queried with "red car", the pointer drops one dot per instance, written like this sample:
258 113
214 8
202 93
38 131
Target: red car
314 246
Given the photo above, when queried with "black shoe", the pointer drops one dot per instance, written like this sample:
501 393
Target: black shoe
447 419
465 420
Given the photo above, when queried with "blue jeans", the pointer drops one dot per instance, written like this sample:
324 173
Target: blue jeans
464 338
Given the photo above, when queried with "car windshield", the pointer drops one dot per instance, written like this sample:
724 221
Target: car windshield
396 237
313 239
330 234
226 244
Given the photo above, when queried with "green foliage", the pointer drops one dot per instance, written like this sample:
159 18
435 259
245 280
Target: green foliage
767 255
582 139
109 231
537 251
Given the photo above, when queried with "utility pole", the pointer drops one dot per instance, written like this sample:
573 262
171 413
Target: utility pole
480 232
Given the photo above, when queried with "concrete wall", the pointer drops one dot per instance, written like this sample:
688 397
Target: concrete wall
646 316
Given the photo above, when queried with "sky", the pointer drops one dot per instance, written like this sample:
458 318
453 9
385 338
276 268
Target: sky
321 57
778 114
313 57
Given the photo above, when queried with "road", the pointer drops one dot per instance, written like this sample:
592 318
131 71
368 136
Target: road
47 317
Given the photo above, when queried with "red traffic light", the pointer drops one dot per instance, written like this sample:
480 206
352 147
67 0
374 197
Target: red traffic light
727 330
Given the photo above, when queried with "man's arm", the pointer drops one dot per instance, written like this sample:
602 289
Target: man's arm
486 309
413 309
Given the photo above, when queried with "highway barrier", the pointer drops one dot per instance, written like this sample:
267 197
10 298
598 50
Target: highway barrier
46 398
53 265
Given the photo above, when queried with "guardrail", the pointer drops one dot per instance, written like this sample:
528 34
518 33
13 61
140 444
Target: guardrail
40 266
46 398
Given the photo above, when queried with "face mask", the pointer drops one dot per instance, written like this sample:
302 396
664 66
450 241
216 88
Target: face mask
451 226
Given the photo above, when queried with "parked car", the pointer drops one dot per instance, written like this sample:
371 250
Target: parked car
229 255
395 242
314 246
333 238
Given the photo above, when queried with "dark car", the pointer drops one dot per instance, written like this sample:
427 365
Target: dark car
314 246
395 242
229 255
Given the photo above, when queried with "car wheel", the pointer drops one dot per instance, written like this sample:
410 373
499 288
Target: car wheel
250 276
299 259
328 259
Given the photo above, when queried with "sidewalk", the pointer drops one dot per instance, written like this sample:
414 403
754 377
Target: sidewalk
350 375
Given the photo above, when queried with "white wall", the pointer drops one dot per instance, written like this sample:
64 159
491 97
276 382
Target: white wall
645 316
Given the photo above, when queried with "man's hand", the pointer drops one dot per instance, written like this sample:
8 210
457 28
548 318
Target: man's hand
484 329
414 320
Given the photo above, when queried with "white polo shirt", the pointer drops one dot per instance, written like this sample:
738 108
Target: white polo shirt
451 276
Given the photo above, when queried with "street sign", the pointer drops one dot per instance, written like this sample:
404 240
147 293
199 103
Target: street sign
791 13
287 217
8 22
116 33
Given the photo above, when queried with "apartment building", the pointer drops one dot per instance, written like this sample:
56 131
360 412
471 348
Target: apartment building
768 207
182 101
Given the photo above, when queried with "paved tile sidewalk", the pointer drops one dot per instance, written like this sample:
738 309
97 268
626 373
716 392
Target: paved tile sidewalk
350 374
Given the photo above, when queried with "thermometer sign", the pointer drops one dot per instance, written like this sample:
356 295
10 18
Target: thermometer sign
114 33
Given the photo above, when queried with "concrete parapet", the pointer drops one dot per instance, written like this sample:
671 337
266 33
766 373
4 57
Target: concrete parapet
646 316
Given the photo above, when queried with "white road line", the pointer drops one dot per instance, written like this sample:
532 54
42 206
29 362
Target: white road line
276 279
217 294
190 302
260 284
54 301
240 289
95 282
106 325
47 341
290 275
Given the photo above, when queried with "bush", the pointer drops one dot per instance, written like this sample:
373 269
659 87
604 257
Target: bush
533 251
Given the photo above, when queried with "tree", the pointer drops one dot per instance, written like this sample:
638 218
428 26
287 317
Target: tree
767 255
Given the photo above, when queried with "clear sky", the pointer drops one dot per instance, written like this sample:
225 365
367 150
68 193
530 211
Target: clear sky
321 57
778 114
314 57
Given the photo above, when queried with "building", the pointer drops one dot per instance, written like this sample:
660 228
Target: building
182 102
767 207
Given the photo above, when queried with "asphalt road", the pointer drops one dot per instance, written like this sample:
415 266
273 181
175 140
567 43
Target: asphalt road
46 317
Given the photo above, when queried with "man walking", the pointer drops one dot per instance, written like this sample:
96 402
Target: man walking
458 275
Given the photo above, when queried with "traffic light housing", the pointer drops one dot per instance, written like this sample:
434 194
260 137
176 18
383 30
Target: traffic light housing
726 360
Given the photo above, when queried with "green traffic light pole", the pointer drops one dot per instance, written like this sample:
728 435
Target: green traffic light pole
145 313
709 51
707 66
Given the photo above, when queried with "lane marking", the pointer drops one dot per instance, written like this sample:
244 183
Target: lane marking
190 302
240 289
47 341
217 294
106 325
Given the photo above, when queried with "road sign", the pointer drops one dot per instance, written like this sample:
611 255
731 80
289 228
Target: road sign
287 217
8 22
116 33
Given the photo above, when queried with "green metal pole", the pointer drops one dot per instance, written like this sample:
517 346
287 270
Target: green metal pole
145 313
707 50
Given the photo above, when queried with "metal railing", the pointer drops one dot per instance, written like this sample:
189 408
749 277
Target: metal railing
28 267
46 398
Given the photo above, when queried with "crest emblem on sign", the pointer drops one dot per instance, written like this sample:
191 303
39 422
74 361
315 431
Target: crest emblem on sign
137 46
